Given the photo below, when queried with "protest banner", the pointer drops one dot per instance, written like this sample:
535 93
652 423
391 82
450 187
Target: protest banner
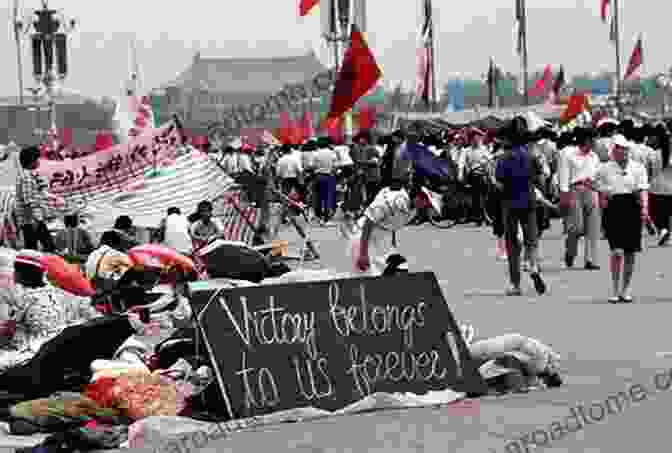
288 99
115 167
331 343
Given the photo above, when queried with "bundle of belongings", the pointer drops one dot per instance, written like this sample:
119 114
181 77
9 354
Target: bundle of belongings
513 363
71 366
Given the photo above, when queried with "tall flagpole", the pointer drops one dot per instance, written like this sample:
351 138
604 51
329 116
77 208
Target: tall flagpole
432 67
617 45
524 39
17 39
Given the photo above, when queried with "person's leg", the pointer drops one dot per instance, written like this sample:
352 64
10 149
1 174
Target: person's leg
628 272
616 268
531 239
592 230
29 237
317 197
574 224
513 248
332 183
45 238
663 211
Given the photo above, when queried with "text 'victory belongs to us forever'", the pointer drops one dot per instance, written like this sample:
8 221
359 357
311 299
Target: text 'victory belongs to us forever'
273 324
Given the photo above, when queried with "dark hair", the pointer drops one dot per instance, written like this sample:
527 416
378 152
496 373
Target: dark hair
123 222
111 239
71 220
28 156
174 210
28 275
204 205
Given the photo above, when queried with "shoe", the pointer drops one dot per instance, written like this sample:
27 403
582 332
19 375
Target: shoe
614 300
514 292
664 237
539 284
592 267
650 229
627 299
569 261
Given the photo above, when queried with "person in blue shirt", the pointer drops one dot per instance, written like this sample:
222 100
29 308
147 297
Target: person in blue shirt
518 172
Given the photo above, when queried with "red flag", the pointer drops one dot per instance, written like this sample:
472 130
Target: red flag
104 140
542 84
577 104
603 10
367 118
359 73
334 128
284 131
636 60
305 6
307 126
424 82
65 136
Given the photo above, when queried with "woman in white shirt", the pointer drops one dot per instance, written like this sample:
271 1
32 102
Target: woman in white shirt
623 185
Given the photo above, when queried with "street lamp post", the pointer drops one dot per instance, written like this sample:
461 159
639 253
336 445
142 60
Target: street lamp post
48 35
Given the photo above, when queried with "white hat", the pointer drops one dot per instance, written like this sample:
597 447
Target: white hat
619 140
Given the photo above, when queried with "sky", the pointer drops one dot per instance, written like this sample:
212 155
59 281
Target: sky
168 34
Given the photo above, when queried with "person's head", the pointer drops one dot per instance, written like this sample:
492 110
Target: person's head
71 220
29 270
621 149
363 138
29 158
111 239
583 138
205 210
123 223
174 210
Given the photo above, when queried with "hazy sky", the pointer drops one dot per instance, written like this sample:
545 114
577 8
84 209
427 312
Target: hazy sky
168 33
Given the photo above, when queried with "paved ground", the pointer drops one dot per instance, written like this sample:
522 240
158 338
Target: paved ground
607 349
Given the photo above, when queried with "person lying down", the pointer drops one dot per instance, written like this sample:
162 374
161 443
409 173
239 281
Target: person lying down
513 362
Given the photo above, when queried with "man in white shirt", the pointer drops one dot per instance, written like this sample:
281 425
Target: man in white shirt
325 161
577 168
176 232
289 170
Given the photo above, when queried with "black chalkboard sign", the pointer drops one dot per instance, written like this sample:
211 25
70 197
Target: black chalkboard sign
328 344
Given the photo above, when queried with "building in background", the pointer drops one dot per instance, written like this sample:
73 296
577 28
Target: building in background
212 85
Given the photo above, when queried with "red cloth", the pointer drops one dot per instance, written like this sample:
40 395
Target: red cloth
104 140
367 118
636 60
358 74
577 104
603 9
305 6
542 84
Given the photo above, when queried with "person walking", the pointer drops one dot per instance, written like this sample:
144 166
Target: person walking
623 185
31 202
577 168
519 172
325 171
660 193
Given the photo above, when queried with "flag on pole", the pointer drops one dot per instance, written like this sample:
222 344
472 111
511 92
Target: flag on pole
604 9
494 78
520 26
543 84
305 6
636 60
358 74
559 81
423 86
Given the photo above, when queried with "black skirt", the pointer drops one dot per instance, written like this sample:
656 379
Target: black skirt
623 223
